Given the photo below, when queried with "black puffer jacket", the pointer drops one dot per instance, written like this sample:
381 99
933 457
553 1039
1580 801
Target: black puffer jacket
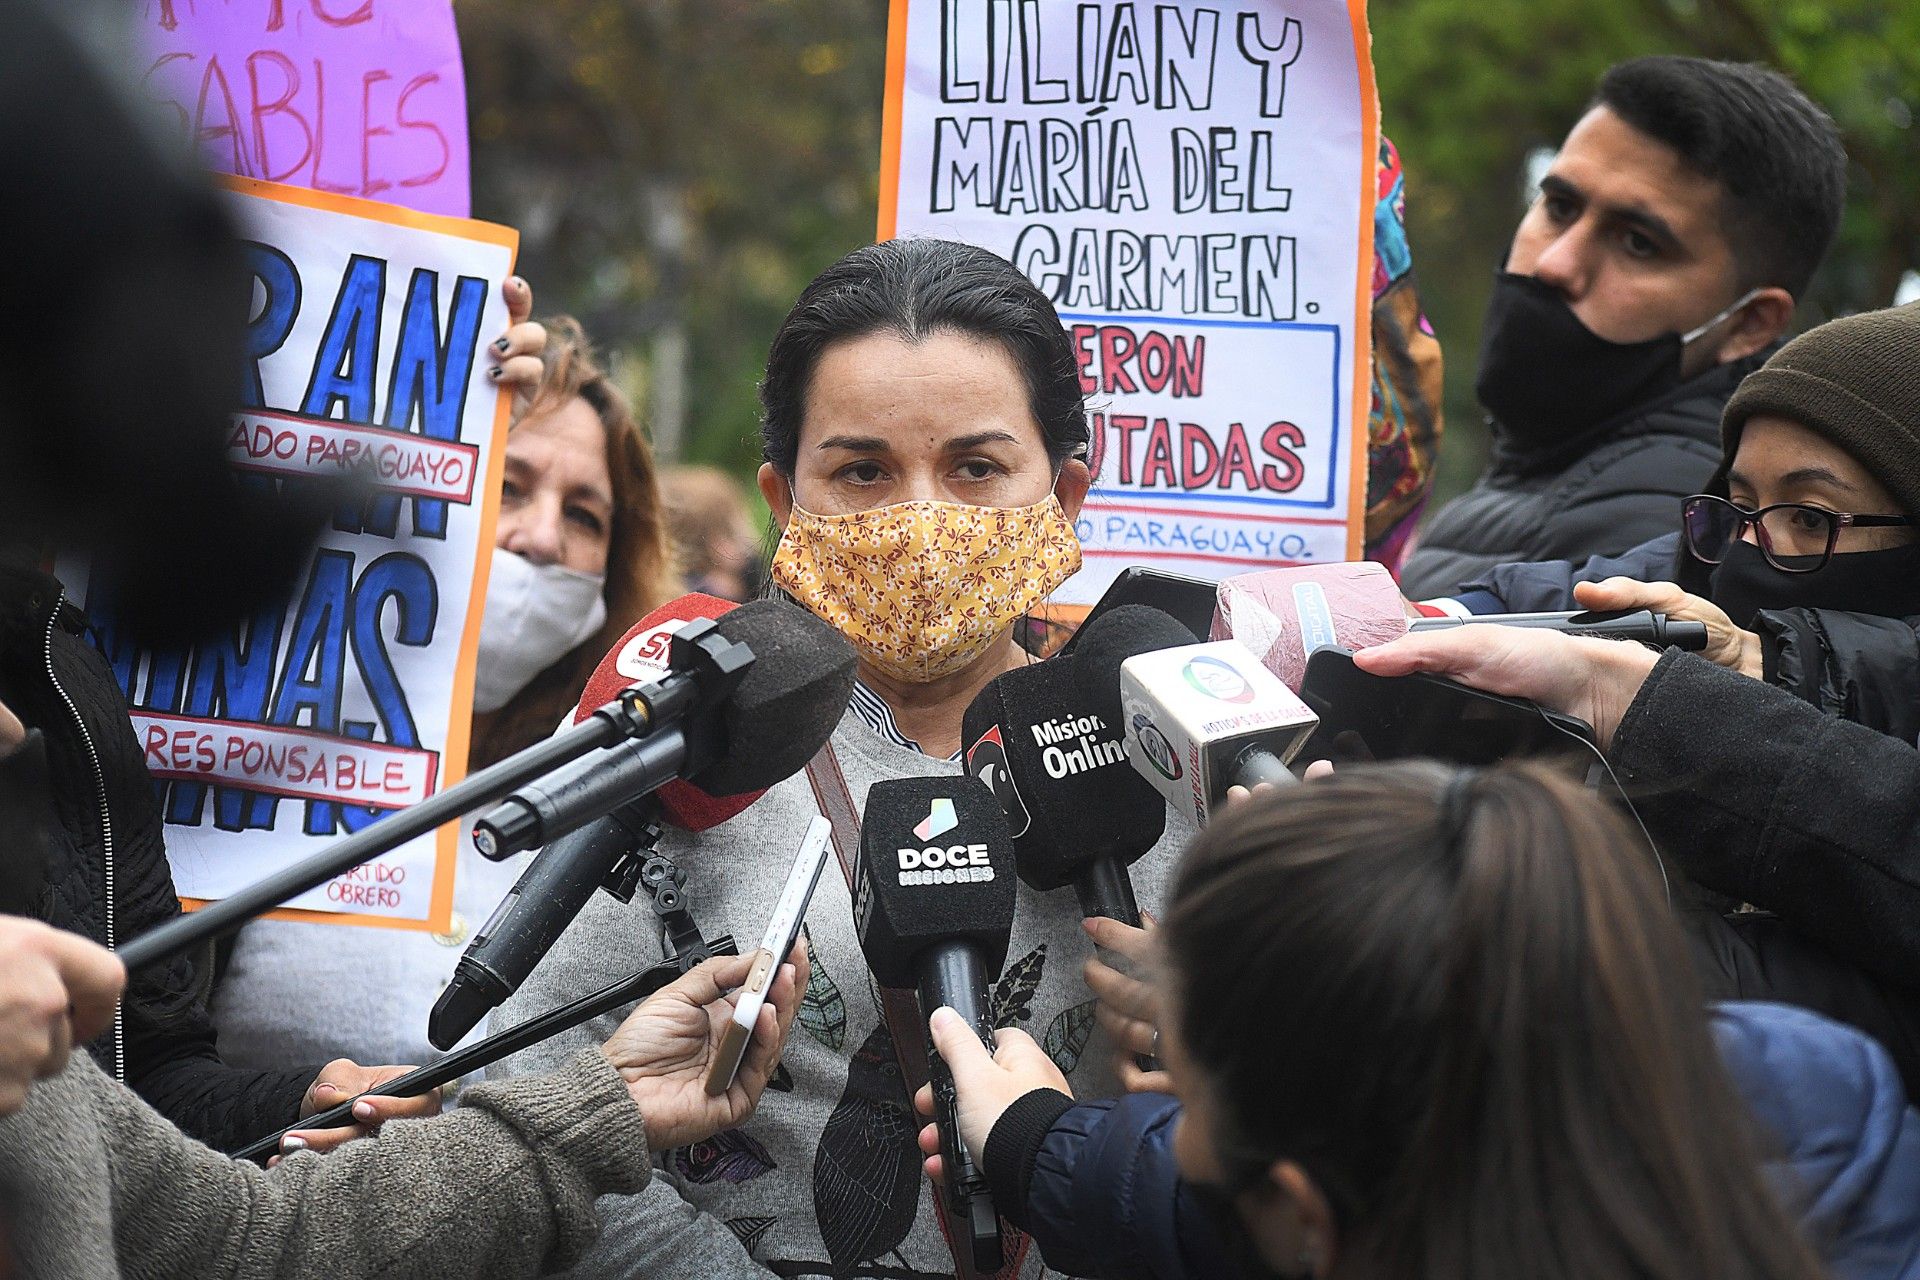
1767 800
1596 495
107 876
1857 666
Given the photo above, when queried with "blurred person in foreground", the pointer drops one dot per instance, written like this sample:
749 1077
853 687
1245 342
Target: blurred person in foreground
1659 264
714 544
1499 1067
97 1185
113 440
580 554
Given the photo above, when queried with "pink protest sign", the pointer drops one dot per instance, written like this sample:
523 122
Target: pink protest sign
354 97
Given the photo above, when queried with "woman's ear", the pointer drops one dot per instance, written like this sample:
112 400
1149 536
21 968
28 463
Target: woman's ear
1071 486
778 491
1291 1222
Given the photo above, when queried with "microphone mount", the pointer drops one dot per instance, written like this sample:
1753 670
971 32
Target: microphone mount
704 668
684 947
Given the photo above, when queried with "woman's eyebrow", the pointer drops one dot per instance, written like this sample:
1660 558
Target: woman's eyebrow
979 438
855 444
1817 475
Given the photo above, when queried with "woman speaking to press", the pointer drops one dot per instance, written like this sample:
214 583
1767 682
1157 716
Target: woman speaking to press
924 434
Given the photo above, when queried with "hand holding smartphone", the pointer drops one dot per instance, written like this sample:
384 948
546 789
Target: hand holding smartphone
783 930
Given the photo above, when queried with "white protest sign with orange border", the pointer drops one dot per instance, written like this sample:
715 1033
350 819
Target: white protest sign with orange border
313 719
1193 186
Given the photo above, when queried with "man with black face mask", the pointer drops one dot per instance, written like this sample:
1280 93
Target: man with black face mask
1659 265
1802 552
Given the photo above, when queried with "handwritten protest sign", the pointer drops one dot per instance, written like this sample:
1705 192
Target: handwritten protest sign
1192 185
355 97
351 698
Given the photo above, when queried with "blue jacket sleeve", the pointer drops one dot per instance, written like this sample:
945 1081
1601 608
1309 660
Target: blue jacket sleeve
1547 585
1096 1186
1845 1143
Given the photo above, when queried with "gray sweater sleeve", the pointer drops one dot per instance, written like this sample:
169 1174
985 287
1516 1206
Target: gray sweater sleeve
504 1185
657 1233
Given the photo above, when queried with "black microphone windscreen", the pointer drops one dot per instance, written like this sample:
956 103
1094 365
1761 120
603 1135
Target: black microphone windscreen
1109 640
789 701
936 865
1060 772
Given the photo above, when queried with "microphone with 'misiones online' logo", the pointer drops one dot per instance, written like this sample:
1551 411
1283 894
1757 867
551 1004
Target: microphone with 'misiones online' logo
933 906
1078 812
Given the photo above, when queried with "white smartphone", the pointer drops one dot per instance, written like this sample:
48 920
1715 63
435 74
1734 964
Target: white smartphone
782 932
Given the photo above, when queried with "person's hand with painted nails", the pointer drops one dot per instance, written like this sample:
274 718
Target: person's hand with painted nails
985 1084
342 1079
518 353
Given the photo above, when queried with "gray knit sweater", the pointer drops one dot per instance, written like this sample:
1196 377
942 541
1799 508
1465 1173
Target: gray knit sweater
825 1179
95 1184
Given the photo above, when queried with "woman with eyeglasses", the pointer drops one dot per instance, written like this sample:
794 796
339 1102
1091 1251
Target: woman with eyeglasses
1803 559
1804 562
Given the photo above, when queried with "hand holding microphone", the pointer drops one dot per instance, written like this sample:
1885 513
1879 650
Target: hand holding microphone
985 1084
1726 644
933 905
1128 1007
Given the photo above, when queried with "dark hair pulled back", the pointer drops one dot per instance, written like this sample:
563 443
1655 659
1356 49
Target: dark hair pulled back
1459 1002
913 288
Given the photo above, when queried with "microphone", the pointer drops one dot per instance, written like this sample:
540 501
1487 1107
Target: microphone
1198 718
729 732
933 906
535 912
1642 625
783 709
1283 615
1078 813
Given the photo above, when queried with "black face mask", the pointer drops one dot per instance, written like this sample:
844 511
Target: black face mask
1885 583
1545 377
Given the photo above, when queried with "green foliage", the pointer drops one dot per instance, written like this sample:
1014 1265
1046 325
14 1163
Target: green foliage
1469 87
757 121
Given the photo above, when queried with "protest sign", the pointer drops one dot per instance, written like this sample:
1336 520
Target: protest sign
1193 186
354 97
352 697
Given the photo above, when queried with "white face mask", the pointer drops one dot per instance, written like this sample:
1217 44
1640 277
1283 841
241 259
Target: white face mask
535 614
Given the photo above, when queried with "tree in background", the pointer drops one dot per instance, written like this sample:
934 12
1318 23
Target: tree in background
679 169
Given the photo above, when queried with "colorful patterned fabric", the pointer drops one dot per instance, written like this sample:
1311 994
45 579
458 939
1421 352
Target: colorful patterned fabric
1404 424
922 588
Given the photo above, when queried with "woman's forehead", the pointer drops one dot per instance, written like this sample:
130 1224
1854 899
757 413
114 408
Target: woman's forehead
1775 450
880 392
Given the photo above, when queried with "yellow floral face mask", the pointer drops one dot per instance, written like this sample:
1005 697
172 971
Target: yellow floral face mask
922 588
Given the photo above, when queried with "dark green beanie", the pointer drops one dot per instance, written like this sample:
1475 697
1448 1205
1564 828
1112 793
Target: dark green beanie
1855 381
